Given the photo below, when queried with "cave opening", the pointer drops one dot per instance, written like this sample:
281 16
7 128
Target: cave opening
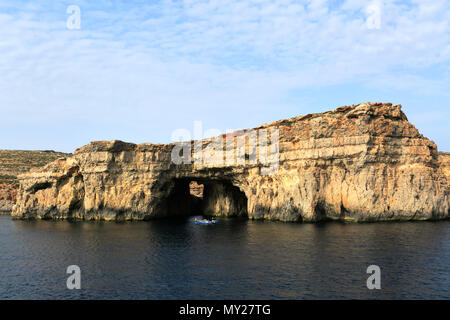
205 197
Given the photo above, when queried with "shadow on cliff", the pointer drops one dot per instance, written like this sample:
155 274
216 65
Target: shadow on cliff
218 198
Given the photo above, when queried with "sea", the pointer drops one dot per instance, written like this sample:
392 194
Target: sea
233 259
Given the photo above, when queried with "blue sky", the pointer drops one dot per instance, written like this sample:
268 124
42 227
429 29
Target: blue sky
139 70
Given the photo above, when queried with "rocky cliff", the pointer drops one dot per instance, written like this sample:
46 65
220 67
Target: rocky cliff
444 158
358 163
15 162
8 194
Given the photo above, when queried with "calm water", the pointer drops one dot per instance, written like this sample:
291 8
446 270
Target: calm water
235 259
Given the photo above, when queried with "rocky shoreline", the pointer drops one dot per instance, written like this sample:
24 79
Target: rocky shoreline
360 163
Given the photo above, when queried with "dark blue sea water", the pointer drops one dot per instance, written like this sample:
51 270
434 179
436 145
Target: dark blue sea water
235 259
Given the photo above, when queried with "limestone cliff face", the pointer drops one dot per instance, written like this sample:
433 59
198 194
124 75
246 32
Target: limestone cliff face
358 163
7 197
15 162
445 164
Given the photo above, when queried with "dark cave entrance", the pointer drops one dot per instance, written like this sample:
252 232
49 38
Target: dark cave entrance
206 197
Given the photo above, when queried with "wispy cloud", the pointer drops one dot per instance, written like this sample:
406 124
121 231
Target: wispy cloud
137 70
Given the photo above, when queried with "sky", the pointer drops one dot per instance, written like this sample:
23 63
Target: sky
138 71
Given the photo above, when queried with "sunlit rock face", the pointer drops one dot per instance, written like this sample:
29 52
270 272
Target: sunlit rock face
14 163
7 197
357 163
445 164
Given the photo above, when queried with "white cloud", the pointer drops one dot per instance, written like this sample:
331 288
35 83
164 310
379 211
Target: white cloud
170 61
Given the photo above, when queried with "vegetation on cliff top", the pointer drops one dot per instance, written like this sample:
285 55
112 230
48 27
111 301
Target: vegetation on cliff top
15 162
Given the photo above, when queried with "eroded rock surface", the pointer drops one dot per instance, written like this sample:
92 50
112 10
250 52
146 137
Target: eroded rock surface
8 194
444 158
361 163
15 162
